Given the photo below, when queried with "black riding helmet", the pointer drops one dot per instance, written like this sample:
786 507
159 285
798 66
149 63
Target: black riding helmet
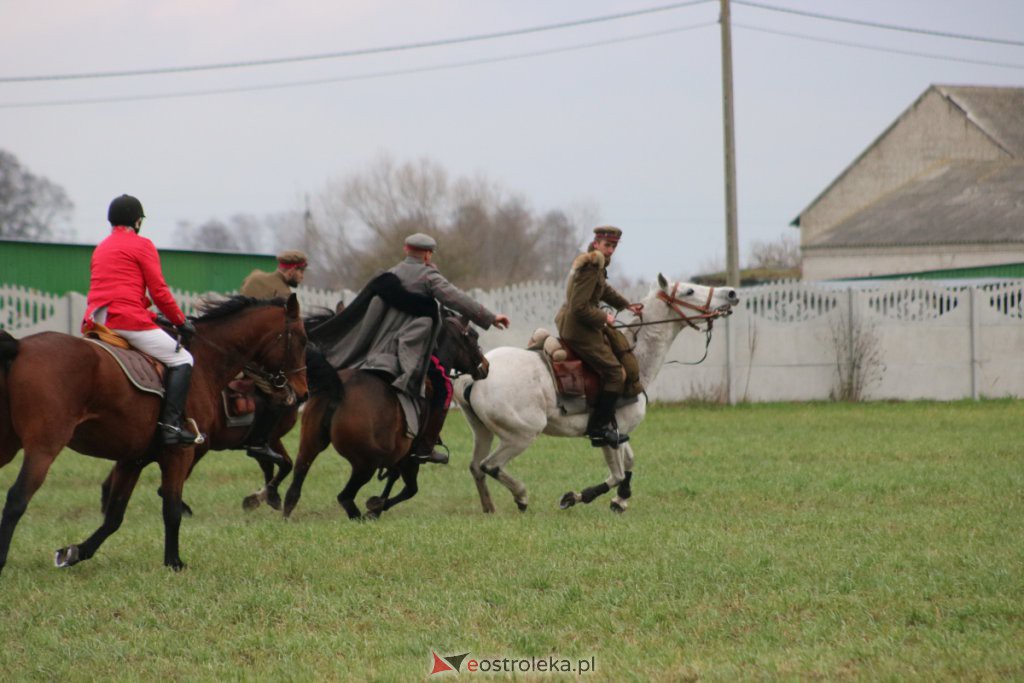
125 210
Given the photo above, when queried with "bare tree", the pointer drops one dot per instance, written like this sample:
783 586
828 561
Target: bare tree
242 233
487 236
779 254
31 207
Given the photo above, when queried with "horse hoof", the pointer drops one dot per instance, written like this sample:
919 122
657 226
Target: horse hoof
618 505
251 502
65 557
274 501
370 516
568 500
521 506
176 565
375 504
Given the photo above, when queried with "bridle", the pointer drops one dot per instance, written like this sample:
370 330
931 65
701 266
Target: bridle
704 312
463 330
270 381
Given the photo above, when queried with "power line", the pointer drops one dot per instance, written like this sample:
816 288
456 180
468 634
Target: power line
875 24
351 53
358 77
878 48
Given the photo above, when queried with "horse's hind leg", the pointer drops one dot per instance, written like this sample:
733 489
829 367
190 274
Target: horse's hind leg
409 469
347 497
33 472
482 440
117 489
494 465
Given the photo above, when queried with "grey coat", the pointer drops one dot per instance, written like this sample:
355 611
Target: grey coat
398 343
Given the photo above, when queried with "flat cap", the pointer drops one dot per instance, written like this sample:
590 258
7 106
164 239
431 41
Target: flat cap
421 241
292 258
607 232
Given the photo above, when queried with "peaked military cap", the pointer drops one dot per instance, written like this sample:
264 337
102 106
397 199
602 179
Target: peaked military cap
421 241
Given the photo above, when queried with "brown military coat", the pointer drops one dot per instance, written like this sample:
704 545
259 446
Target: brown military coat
263 285
581 321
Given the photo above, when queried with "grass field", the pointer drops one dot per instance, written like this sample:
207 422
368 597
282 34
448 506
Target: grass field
875 541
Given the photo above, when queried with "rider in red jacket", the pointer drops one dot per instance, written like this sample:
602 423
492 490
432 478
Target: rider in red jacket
124 266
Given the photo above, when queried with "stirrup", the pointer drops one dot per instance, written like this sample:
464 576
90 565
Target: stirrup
607 436
175 435
434 456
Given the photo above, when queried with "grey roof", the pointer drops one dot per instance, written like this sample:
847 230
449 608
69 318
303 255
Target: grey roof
998 112
959 203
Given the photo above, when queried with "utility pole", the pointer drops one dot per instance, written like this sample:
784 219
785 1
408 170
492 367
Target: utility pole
732 253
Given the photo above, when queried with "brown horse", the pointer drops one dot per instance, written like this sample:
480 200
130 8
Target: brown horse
358 412
224 437
61 391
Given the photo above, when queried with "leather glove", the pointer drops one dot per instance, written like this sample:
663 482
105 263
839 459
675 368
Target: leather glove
186 330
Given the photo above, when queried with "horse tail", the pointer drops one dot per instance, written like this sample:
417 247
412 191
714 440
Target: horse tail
8 349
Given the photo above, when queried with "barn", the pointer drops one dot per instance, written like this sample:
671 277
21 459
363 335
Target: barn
940 193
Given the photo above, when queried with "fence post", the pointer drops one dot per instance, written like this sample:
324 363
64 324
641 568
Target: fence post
730 365
975 325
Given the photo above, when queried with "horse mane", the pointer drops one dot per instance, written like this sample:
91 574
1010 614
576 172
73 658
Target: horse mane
224 308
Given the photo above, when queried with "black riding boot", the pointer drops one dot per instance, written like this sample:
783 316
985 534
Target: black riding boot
601 427
170 429
430 435
259 437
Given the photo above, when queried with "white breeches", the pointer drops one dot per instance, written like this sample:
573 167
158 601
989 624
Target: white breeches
155 343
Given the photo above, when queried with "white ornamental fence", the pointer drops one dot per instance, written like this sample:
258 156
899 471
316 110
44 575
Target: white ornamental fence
785 342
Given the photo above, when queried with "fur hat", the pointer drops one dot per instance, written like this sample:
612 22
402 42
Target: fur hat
607 232
292 258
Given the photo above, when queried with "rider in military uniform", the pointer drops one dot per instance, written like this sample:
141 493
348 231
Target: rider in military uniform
586 328
392 327
291 269
276 284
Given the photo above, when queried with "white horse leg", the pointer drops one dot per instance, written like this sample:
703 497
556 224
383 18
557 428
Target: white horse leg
624 490
494 465
482 440
613 457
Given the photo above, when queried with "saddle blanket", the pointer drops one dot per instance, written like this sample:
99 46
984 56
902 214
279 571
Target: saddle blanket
140 369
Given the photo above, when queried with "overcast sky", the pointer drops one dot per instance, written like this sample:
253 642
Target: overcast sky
623 115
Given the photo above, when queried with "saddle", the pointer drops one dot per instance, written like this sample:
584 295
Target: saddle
239 402
576 383
144 372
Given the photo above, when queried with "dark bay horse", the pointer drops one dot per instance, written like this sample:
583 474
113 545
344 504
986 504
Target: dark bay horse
60 391
358 412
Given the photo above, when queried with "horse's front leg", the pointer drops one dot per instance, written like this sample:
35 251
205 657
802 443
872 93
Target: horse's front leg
312 441
625 489
614 458
174 467
34 467
117 490
269 493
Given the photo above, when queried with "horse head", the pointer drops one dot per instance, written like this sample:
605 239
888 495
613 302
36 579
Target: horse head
458 346
694 303
267 338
